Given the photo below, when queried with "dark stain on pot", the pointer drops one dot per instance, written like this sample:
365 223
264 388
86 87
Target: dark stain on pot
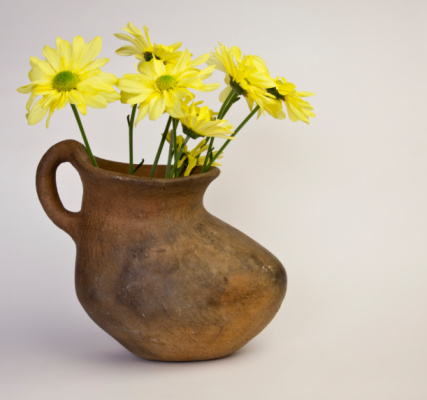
207 234
153 288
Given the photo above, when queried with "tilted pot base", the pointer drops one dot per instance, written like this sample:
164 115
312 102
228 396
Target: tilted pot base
154 269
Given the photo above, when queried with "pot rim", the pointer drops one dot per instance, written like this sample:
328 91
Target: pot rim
85 164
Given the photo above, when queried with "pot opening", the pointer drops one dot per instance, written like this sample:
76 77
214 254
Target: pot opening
143 171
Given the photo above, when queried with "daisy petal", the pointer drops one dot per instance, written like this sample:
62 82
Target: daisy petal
157 108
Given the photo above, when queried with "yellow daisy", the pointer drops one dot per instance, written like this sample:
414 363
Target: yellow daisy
194 157
298 109
201 159
247 76
199 122
143 49
70 74
159 87
190 159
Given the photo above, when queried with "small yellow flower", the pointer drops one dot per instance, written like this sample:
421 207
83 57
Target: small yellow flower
201 159
247 76
298 109
159 87
190 159
143 49
199 122
70 74
194 157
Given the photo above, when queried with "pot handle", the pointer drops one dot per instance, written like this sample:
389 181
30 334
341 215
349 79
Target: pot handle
47 190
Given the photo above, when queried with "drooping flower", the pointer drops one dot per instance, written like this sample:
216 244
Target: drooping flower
190 159
70 74
201 159
247 76
159 87
143 49
195 157
297 108
199 122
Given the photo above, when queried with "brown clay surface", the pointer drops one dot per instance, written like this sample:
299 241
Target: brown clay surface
154 269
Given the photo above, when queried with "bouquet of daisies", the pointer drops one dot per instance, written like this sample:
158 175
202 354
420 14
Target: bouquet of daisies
164 82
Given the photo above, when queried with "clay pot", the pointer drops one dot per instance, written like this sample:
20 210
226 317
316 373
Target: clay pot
154 269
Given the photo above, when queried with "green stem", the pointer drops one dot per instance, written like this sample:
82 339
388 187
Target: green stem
82 131
251 114
159 151
130 123
171 149
208 155
175 146
230 103
178 157
227 103
139 165
181 168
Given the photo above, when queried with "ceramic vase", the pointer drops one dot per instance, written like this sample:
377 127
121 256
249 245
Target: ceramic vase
154 269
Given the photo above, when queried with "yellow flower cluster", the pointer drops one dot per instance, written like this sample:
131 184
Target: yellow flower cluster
248 76
163 82
190 159
158 87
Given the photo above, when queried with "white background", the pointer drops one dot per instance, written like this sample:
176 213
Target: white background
341 202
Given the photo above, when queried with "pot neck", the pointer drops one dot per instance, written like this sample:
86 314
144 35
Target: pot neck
110 189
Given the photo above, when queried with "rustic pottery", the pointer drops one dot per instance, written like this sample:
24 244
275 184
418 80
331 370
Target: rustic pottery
154 269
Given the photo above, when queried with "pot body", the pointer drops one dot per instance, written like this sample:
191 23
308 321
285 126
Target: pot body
154 269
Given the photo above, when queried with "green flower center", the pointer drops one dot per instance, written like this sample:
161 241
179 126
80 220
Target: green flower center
276 93
166 82
65 81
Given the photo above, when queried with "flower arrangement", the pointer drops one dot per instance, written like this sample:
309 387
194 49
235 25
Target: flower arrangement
163 82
